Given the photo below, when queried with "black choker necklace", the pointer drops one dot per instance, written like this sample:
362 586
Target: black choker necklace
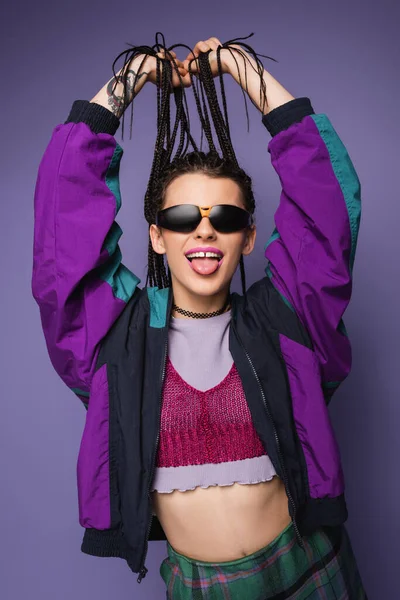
194 315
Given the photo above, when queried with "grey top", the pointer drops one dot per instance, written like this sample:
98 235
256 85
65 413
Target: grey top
199 349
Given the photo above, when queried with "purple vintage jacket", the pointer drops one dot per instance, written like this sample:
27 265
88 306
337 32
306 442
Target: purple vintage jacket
107 336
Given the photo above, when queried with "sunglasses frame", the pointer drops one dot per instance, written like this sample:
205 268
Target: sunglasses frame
205 212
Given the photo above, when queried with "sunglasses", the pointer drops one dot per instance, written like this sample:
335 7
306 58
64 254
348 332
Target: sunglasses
185 218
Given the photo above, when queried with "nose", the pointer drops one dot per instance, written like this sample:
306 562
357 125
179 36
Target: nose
205 230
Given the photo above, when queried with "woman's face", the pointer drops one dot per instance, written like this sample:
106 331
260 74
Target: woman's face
192 280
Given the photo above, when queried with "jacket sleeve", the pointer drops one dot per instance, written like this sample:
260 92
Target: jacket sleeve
312 248
78 279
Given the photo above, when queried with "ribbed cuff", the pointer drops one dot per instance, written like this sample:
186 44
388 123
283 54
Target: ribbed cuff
99 119
111 543
284 116
321 512
107 542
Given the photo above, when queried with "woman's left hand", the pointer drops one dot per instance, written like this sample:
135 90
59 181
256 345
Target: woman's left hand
243 68
204 46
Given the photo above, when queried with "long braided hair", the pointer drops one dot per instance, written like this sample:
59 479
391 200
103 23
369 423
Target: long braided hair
164 168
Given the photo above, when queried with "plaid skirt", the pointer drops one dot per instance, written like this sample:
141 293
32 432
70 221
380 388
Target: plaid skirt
326 570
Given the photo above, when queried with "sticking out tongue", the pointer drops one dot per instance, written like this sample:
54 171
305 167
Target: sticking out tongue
204 266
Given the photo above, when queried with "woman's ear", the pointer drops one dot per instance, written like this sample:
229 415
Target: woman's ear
250 240
157 240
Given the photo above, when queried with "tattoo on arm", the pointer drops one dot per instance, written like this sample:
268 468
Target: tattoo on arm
116 102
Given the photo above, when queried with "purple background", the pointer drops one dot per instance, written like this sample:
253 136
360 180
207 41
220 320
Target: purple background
343 56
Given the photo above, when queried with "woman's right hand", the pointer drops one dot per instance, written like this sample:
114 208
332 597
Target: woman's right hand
111 95
176 82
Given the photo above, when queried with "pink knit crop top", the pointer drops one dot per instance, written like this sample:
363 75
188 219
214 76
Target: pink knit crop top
207 437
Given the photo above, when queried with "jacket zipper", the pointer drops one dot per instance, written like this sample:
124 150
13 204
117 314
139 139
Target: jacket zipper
144 570
285 479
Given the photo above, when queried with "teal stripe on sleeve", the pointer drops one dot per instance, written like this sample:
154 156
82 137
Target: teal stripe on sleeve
112 176
330 384
80 392
111 241
349 183
158 299
274 236
119 277
345 174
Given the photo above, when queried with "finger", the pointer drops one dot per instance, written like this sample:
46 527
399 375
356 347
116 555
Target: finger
172 59
170 52
204 46
189 60
190 55
216 40
200 47
211 43
196 51
193 65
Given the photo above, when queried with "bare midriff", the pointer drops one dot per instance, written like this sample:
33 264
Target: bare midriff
223 523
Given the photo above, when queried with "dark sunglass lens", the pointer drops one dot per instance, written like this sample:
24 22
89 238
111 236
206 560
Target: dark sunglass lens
182 218
227 218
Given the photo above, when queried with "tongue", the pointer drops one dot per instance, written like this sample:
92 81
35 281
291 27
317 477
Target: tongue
204 266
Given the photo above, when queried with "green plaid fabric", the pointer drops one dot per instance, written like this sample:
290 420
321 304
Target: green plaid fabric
326 570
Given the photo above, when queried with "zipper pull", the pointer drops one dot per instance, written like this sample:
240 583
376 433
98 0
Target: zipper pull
142 574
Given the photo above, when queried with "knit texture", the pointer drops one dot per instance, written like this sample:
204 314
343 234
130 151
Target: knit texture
212 426
99 118
207 436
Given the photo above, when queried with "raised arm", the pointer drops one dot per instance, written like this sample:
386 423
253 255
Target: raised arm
79 280
312 248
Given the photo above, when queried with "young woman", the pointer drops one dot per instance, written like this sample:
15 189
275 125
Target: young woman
207 420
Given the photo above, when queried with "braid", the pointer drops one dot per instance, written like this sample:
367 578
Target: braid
204 119
219 124
242 274
165 168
